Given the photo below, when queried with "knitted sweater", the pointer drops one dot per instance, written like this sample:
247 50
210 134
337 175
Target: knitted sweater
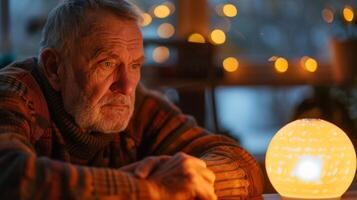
44 155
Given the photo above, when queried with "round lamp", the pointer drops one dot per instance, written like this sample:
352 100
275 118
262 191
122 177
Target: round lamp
310 159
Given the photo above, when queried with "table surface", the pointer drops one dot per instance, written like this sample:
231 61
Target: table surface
351 195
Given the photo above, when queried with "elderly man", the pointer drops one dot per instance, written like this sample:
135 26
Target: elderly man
75 124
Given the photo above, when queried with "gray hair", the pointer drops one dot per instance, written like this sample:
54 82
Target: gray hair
65 21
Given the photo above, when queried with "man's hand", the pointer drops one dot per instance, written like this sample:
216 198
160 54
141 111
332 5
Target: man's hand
178 177
183 177
145 167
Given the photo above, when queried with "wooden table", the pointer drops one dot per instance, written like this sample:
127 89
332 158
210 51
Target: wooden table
351 195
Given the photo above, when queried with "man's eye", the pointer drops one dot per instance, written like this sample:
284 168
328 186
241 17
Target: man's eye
135 66
108 64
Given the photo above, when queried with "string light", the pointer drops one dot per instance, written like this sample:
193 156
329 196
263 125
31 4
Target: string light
162 11
196 38
161 54
218 36
230 64
309 64
327 15
147 19
281 65
166 30
229 10
348 13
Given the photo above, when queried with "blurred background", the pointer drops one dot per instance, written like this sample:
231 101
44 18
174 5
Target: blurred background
242 68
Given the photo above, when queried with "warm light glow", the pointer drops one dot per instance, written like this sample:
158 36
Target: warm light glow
230 64
161 54
311 159
281 65
162 11
166 30
308 169
327 15
348 13
309 64
218 36
196 38
147 19
229 10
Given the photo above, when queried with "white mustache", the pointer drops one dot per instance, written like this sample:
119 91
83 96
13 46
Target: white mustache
118 100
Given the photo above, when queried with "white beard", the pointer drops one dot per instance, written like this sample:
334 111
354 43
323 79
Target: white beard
94 118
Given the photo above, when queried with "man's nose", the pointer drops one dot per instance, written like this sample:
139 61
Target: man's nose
123 83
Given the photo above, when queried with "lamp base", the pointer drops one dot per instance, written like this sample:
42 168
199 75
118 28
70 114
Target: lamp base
291 198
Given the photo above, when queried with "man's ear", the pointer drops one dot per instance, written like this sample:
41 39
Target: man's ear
51 67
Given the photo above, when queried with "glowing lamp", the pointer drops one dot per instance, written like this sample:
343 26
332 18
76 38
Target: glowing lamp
311 159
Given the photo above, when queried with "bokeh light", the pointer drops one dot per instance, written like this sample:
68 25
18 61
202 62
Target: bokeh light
147 19
281 65
196 38
230 64
162 11
218 36
327 15
309 64
348 13
161 54
229 10
166 30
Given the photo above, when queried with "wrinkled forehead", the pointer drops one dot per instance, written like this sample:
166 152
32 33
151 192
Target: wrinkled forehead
104 26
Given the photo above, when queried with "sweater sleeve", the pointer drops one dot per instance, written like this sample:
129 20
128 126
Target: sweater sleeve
25 175
167 131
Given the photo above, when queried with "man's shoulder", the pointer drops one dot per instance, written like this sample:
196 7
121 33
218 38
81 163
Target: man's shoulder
13 78
18 69
17 81
22 97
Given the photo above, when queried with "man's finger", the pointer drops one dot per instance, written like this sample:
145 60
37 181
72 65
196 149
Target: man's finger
191 159
148 165
206 174
204 190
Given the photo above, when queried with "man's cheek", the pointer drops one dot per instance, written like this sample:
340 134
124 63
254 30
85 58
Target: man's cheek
96 96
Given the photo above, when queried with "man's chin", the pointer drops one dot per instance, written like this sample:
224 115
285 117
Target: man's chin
107 121
110 128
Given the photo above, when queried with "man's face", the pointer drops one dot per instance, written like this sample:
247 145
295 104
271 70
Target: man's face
99 78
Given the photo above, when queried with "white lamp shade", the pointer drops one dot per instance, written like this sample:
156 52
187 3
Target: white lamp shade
311 159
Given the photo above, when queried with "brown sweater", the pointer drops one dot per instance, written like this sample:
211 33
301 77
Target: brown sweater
44 155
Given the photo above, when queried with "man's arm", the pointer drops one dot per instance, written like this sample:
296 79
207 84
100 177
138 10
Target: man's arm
24 175
167 131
